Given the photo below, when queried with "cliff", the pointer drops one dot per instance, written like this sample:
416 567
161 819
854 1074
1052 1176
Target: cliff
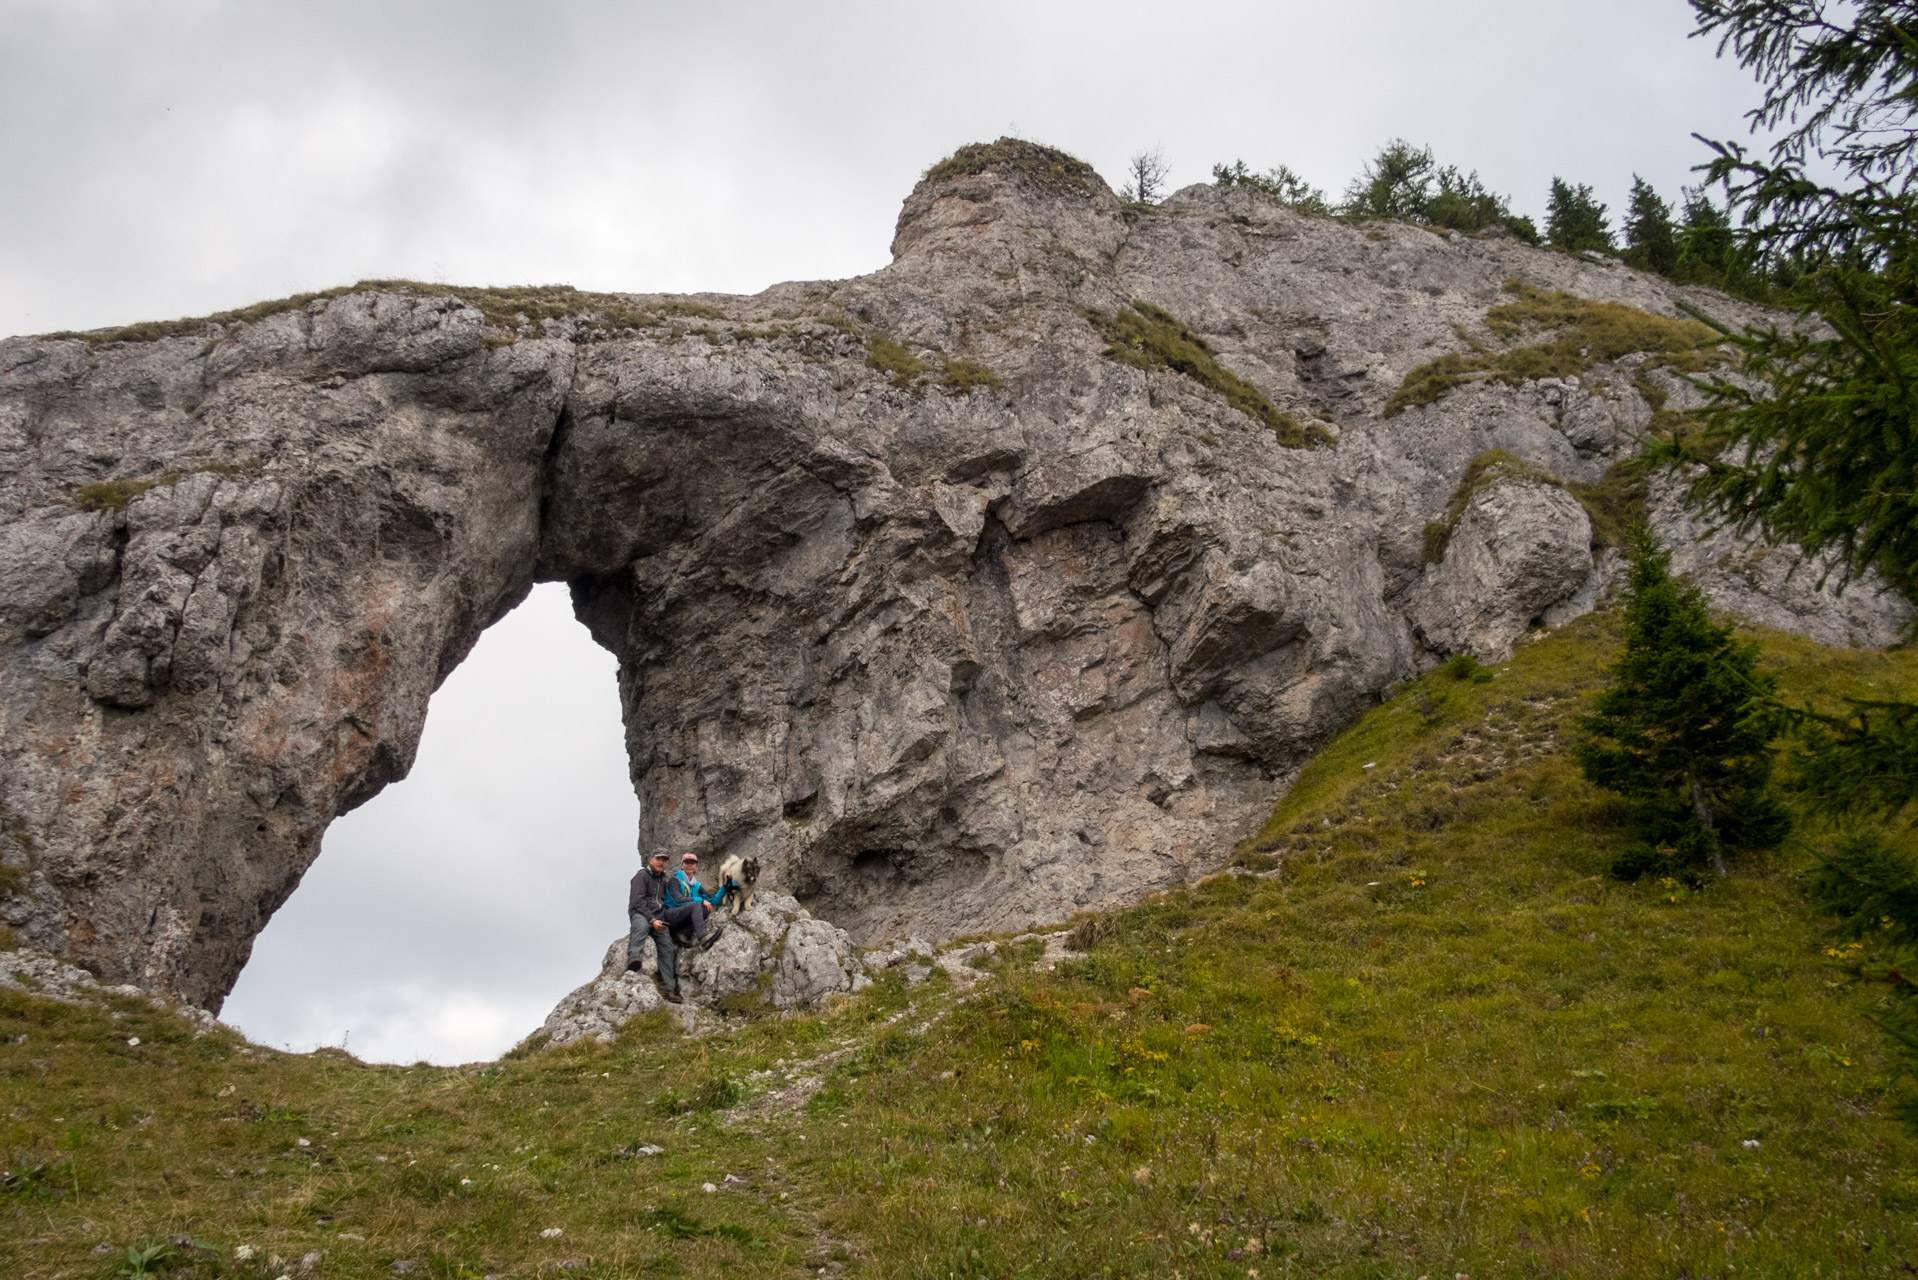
1008 580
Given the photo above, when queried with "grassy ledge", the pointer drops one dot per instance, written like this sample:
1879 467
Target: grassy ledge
1488 470
907 372
1615 504
1416 1031
1150 338
113 495
1580 332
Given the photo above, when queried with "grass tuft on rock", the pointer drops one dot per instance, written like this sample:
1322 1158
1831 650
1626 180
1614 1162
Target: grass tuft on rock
113 495
1150 338
893 360
1616 504
1579 333
1047 168
963 376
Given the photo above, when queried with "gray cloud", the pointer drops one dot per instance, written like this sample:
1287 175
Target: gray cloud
172 159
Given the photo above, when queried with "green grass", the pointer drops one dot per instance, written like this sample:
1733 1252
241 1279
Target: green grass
963 376
893 360
1150 338
908 372
1432 1038
1579 333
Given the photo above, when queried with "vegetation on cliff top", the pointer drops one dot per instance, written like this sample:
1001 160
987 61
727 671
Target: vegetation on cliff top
503 308
1047 167
1420 1032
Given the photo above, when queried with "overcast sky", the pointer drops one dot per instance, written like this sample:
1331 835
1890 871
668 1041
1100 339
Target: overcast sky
169 159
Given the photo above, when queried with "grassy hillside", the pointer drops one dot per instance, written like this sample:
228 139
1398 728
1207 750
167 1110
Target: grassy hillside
1419 1033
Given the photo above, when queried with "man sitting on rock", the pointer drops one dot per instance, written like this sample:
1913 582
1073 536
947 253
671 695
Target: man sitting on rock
688 903
646 909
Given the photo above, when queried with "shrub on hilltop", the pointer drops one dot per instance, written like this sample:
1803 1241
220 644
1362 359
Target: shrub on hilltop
1047 167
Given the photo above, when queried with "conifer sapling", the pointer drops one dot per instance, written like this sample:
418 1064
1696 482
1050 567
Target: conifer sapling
1685 730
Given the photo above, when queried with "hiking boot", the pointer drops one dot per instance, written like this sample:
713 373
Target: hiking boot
671 995
635 966
712 936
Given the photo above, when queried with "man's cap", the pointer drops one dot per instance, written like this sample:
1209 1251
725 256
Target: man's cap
658 853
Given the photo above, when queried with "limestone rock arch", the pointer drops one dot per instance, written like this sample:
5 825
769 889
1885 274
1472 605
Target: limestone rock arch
952 620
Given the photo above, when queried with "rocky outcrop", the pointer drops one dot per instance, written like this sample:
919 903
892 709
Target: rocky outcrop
1774 586
952 621
1520 548
49 978
775 955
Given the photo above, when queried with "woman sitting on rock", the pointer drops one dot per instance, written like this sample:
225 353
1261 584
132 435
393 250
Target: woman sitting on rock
688 904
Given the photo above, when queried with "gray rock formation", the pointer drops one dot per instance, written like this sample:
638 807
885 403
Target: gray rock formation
50 978
1774 586
1520 548
952 621
774 955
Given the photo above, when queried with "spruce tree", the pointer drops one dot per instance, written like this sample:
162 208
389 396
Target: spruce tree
1651 238
1463 203
1396 183
1278 183
1818 439
1575 220
1704 241
1404 181
1684 732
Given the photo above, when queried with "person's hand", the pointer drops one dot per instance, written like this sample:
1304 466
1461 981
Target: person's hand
659 926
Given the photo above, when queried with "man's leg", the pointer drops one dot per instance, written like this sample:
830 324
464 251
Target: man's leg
668 956
642 929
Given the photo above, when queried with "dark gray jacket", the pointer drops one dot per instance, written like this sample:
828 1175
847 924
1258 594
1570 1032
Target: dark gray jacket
648 895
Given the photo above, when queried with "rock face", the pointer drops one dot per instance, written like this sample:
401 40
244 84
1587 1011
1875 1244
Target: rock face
953 622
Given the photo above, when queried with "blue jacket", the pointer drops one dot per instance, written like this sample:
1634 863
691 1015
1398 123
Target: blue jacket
682 889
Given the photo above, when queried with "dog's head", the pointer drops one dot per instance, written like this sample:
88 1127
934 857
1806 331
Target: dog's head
749 871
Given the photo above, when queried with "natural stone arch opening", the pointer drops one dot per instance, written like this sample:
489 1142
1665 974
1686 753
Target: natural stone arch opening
450 912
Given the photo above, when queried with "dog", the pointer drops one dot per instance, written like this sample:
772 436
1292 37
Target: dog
737 876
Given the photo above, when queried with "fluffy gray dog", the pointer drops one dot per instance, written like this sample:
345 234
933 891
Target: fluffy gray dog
737 876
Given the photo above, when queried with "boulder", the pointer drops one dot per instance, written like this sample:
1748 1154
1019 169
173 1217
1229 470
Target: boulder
775 955
1521 547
